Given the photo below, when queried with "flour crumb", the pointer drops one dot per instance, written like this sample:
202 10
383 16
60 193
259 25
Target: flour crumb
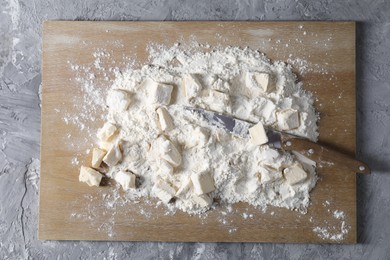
337 214
75 161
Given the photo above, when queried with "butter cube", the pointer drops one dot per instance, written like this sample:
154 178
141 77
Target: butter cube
165 119
192 86
184 188
125 179
97 157
269 176
220 85
287 119
159 93
90 176
167 151
286 191
218 101
165 169
118 100
294 174
258 81
266 109
202 200
113 155
106 132
103 145
203 183
163 190
258 134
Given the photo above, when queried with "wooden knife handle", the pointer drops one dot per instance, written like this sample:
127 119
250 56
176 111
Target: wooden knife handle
323 155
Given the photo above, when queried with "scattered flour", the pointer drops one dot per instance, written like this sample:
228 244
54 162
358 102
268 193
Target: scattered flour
335 233
75 161
32 174
242 172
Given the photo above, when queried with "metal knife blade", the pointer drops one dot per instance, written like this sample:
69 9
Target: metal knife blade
235 126
314 152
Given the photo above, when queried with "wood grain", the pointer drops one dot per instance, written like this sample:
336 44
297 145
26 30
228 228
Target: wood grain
70 210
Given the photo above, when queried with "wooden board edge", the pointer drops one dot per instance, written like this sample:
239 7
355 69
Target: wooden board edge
40 232
48 23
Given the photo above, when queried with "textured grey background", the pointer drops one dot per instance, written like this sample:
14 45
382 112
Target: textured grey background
20 58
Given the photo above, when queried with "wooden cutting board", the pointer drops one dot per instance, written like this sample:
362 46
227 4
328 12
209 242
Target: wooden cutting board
70 210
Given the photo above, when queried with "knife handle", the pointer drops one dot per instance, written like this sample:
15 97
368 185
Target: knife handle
323 155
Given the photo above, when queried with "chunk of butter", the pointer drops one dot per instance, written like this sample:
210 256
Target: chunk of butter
118 100
218 101
106 132
125 179
265 108
97 157
294 174
258 81
163 190
202 200
220 85
269 176
184 188
192 85
159 93
258 134
90 176
113 155
287 119
165 169
164 119
103 145
286 191
203 183
167 151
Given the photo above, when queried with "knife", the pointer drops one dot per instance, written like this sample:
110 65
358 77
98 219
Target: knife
316 152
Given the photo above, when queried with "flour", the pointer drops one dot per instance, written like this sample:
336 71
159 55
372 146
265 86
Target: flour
335 233
241 171
32 175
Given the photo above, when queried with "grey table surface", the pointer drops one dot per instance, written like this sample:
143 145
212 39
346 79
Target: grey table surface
20 81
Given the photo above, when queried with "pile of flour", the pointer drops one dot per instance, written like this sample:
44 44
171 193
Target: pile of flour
234 163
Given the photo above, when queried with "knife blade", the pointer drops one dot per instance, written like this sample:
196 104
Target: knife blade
287 142
236 126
